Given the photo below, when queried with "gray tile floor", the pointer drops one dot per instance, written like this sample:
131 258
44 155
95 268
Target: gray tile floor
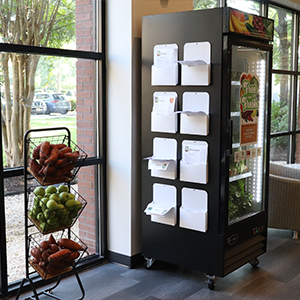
277 277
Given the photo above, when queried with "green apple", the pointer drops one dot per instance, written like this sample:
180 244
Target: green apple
63 188
64 197
44 226
71 196
52 221
72 214
70 204
55 197
36 208
37 200
51 189
49 214
39 191
41 217
78 206
43 202
32 214
51 204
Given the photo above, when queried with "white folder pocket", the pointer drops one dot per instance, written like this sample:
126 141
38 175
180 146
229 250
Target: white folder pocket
163 163
194 119
196 64
163 117
163 207
164 70
193 165
193 211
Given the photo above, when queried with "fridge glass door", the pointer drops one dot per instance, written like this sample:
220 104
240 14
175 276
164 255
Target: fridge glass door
248 115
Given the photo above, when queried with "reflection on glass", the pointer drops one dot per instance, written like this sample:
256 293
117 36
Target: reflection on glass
248 113
279 148
248 6
280 103
282 45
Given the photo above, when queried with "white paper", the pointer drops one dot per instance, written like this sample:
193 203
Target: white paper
195 154
192 113
155 164
192 63
165 55
164 103
157 209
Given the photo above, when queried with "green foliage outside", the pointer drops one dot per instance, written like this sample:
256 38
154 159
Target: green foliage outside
205 4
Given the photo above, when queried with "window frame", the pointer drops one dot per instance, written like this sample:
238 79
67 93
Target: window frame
99 160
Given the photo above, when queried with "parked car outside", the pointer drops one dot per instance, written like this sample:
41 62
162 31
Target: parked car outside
38 107
56 102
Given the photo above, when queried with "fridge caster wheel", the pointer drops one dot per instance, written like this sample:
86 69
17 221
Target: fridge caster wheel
211 281
254 262
149 262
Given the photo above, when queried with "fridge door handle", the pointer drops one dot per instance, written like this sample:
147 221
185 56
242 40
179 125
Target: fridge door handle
230 126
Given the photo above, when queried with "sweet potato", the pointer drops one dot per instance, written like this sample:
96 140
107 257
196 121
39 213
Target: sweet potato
63 151
53 156
72 156
65 170
47 170
45 256
69 244
36 253
59 255
61 163
34 166
44 245
52 239
45 149
60 146
54 248
36 152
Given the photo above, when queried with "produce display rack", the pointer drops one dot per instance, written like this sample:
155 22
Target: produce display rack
33 232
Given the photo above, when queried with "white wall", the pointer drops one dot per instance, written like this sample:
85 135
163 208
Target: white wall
119 125
123 26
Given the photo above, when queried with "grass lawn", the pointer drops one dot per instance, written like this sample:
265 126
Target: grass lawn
42 121
57 121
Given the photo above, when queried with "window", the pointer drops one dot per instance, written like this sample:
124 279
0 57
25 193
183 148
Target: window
47 80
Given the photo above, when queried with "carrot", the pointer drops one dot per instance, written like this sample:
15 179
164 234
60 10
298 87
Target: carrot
61 254
69 244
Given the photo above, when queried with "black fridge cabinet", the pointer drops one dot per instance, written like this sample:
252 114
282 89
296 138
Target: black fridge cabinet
206 209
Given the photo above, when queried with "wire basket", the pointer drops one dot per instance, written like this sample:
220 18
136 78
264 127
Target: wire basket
54 159
55 254
54 207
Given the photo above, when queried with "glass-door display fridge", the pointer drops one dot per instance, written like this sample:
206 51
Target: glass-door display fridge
205 128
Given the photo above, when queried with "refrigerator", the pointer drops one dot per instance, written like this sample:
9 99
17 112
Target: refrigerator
205 115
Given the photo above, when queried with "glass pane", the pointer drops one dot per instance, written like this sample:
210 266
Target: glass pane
248 113
280 103
57 24
200 4
60 93
298 105
282 45
279 149
297 154
245 5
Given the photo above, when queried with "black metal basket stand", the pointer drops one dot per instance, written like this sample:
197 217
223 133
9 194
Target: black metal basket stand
31 140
